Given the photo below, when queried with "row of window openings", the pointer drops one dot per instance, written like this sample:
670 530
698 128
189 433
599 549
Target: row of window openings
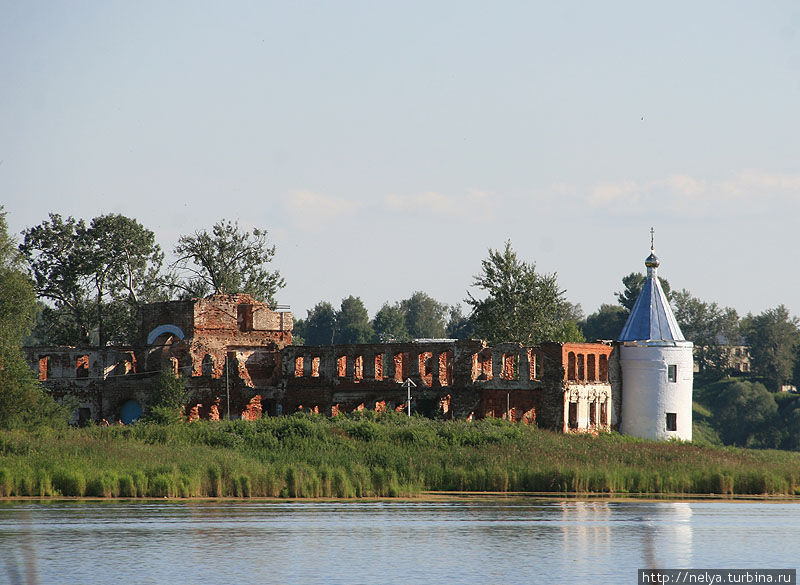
582 367
380 363
482 366
594 415
81 367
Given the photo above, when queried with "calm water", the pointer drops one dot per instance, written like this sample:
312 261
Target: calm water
466 541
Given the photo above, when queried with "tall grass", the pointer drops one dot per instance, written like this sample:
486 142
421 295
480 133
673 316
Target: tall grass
369 455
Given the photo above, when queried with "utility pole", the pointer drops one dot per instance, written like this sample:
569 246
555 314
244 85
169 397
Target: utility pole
227 386
408 384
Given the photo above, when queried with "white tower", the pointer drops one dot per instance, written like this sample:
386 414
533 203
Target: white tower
657 367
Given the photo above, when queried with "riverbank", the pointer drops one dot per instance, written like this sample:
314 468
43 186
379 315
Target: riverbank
310 456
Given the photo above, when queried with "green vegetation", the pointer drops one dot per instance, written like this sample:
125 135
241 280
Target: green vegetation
95 275
740 411
520 305
22 401
369 456
227 260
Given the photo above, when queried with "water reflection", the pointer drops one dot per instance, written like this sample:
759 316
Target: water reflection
513 540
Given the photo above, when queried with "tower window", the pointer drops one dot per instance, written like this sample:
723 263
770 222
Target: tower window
672 373
672 421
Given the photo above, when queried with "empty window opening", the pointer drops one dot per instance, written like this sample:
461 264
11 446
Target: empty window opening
604 368
445 368
510 366
379 366
426 367
315 367
44 368
84 416
593 414
604 413
398 367
485 364
591 374
82 367
298 367
571 369
244 317
573 415
672 373
581 368
341 366
672 421
531 365
358 368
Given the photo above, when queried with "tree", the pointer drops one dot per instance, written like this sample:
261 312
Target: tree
424 316
389 324
320 325
745 413
633 284
711 328
96 275
21 398
773 338
606 323
58 260
352 322
520 304
459 325
228 260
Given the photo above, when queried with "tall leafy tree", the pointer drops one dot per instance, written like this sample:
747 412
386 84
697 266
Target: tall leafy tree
320 325
459 325
425 317
21 399
773 338
520 304
96 276
389 323
352 322
228 260
606 323
58 260
712 329
746 414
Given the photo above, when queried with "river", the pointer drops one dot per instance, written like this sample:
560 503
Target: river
460 541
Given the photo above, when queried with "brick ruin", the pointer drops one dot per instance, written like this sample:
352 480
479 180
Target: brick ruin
238 360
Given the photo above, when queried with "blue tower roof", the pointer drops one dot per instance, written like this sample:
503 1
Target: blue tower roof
651 318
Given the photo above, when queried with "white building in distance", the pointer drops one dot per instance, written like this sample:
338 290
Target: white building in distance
657 367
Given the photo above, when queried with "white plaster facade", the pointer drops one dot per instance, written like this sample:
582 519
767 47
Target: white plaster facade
657 367
657 405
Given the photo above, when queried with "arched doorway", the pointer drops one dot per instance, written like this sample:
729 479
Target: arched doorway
130 411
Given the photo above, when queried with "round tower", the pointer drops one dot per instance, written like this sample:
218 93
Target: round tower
657 367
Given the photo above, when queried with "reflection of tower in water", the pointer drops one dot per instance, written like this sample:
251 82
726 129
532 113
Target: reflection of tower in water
624 536
586 526
666 535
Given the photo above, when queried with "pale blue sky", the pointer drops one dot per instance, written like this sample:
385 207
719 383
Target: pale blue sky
387 146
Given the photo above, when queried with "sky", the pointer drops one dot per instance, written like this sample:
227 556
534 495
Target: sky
387 146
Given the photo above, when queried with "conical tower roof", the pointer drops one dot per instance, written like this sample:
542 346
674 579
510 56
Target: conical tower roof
651 318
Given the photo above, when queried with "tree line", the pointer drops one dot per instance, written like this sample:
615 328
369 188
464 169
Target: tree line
512 302
91 278
75 282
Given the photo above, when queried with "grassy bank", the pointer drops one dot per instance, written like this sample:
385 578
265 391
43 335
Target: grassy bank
313 456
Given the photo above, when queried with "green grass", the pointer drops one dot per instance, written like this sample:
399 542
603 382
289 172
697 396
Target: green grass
371 456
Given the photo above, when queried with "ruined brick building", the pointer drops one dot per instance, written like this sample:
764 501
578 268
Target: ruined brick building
238 359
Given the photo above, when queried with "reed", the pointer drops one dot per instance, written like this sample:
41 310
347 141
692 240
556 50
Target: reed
369 455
